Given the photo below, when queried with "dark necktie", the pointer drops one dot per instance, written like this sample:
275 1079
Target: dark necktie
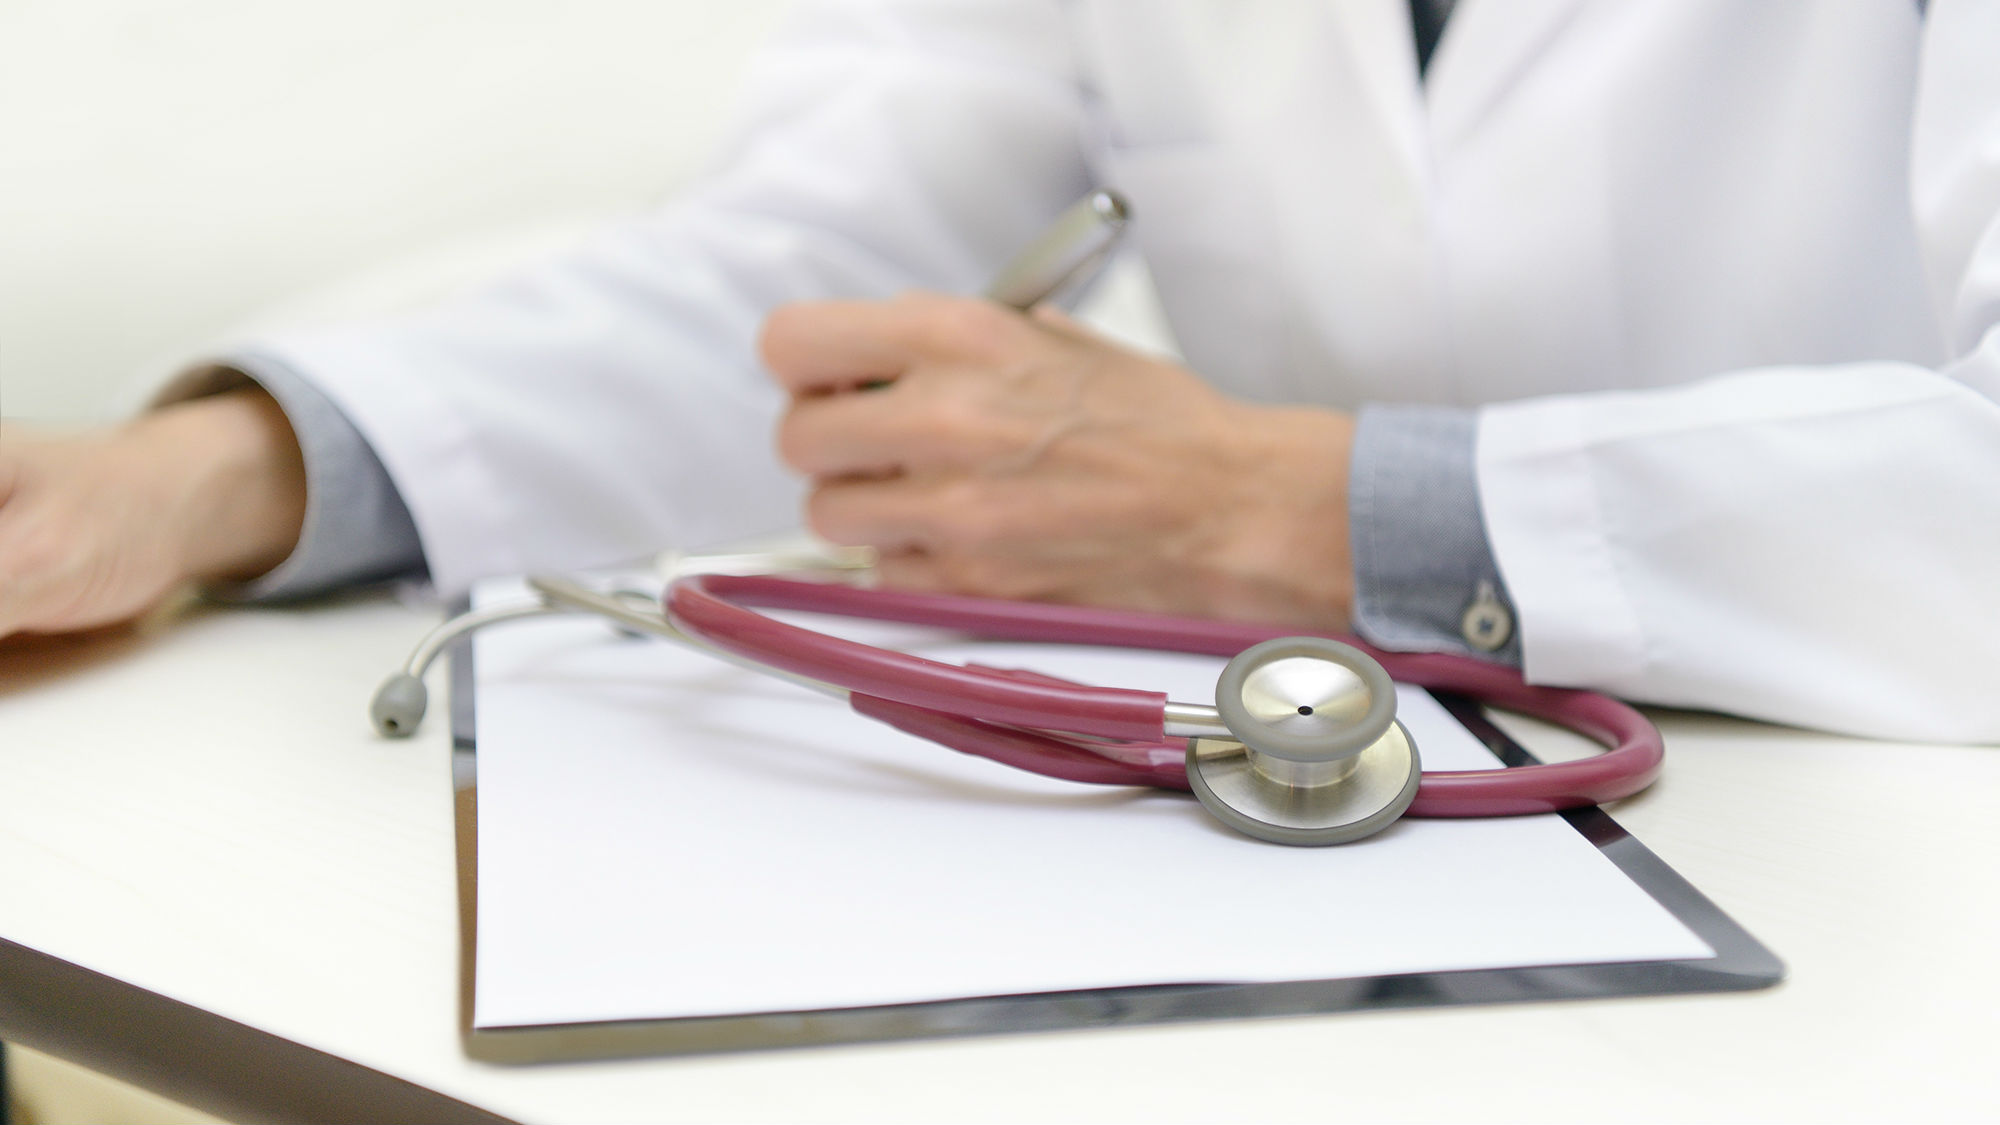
1427 18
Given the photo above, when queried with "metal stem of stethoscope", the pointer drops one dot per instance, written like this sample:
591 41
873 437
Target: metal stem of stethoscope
568 595
399 704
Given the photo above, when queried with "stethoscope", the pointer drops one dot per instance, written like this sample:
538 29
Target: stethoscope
1302 745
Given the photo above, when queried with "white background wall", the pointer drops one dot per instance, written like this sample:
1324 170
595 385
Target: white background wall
171 168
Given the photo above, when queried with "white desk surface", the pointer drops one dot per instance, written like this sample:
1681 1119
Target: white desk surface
203 811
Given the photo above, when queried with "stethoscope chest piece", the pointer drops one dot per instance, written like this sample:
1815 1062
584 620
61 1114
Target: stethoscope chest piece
1318 756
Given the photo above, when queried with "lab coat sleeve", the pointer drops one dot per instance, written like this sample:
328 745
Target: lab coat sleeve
1818 546
609 403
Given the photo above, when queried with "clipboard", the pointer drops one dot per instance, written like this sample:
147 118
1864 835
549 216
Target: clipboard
1740 963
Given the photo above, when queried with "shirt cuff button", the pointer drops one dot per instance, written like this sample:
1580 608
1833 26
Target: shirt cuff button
1487 623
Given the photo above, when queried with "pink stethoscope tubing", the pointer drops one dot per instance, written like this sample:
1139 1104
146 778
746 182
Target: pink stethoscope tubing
1010 716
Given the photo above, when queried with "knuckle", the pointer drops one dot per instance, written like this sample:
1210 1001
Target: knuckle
779 339
983 325
44 548
794 442
829 516
985 575
917 300
961 571
907 570
966 516
947 414
968 327
966 422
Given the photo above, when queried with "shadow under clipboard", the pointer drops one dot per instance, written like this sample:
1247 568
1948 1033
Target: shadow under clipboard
1741 962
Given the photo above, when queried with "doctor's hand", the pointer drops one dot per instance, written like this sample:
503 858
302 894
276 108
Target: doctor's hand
1021 456
98 527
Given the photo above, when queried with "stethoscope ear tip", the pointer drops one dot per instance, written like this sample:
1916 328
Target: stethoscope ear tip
398 707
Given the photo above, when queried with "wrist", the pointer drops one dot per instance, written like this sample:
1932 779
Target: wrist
1292 530
238 493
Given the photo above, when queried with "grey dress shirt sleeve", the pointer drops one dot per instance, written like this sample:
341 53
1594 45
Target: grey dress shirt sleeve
357 528
1424 572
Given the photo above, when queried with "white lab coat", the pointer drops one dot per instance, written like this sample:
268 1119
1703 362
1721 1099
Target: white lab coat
1723 277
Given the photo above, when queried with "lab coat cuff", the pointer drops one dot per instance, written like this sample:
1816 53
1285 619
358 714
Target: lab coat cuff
357 528
1548 526
1425 577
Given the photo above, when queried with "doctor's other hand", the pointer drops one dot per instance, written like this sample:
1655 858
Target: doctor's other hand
100 526
988 452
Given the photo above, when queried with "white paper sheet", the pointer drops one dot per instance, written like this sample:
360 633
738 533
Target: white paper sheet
663 835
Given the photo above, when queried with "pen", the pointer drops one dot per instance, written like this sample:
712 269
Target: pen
1073 246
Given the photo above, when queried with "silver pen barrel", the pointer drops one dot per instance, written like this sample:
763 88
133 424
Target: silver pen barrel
1074 245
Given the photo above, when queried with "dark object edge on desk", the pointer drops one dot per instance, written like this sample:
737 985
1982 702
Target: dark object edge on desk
196 1057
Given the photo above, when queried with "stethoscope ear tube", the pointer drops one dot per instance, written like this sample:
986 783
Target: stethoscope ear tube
1633 754
1305 752
1034 751
1634 750
697 607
